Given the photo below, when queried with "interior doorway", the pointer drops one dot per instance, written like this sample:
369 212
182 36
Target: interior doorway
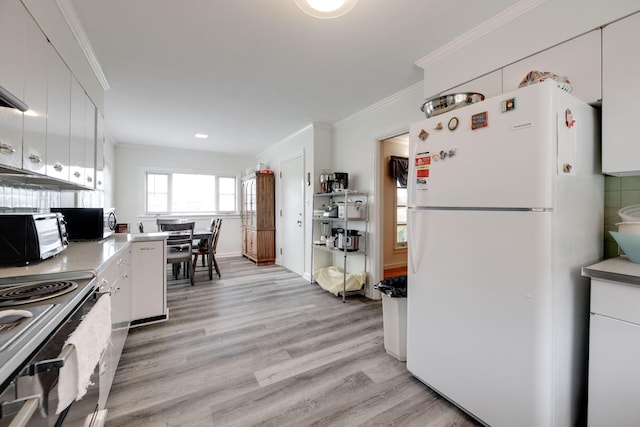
394 219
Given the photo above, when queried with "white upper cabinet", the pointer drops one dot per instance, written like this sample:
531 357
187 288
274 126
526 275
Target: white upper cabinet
89 143
578 59
58 116
620 89
99 152
34 146
13 18
77 141
489 85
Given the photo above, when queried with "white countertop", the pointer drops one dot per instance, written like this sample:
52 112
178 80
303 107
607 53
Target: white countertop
79 257
618 269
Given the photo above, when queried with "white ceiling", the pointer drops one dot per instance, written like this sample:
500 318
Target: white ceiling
252 72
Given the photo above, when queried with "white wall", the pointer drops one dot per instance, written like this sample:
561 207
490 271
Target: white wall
129 185
356 151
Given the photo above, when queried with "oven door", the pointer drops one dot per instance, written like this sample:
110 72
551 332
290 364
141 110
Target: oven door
38 401
31 399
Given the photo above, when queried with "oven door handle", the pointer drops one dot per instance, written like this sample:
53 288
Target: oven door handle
28 408
50 364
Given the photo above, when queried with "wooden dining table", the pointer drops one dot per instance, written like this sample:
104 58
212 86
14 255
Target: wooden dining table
198 234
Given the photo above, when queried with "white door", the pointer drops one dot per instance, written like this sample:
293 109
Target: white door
292 243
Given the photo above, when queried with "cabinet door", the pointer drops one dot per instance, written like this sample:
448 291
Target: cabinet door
13 18
489 85
251 242
58 116
614 372
620 86
35 96
99 152
89 143
578 59
77 127
148 290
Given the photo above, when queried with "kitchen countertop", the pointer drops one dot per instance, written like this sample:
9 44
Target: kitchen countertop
618 269
88 257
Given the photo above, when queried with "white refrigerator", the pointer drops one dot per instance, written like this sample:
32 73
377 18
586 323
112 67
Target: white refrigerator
505 207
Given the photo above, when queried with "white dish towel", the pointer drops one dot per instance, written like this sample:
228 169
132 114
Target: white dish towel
89 341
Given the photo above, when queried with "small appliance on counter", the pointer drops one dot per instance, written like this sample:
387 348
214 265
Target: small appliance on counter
326 182
344 240
86 224
29 237
340 181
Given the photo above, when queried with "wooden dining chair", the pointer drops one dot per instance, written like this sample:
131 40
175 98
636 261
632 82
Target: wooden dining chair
209 250
180 247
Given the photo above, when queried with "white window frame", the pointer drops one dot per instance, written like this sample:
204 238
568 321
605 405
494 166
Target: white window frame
398 245
170 174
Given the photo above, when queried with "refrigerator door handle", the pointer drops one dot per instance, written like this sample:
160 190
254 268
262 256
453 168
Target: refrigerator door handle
415 241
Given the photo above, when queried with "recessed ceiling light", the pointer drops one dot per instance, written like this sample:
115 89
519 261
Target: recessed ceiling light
201 135
326 8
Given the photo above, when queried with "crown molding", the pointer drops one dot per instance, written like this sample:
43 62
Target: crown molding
71 16
479 31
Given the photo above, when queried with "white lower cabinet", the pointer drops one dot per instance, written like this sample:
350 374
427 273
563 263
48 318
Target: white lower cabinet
614 353
149 282
115 279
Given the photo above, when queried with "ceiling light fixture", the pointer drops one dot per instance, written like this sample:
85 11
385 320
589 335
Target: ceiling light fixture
326 8
201 135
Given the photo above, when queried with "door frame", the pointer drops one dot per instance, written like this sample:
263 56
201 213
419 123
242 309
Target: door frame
377 254
299 155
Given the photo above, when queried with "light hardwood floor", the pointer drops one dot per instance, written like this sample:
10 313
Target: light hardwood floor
262 346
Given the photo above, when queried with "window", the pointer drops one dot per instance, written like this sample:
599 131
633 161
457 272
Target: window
190 193
401 216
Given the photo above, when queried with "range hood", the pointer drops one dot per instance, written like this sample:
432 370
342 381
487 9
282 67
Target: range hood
7 99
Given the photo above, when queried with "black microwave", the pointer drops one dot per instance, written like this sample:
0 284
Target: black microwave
88 223
25 238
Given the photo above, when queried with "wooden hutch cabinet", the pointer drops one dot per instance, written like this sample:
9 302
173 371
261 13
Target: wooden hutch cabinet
258 218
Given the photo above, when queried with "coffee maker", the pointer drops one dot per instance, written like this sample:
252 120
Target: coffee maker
340 181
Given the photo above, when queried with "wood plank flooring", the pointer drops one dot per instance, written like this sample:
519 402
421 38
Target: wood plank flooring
262 346
394 272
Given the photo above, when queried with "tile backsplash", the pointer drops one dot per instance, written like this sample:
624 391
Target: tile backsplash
618 192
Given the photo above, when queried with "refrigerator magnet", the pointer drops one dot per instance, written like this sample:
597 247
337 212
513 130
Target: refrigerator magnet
480 120
438 126
508 105
423 135
453 123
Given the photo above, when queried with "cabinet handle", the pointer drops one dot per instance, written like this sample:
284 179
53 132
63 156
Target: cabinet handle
89 179
99 182
7 148
58 167
34 158
76 174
